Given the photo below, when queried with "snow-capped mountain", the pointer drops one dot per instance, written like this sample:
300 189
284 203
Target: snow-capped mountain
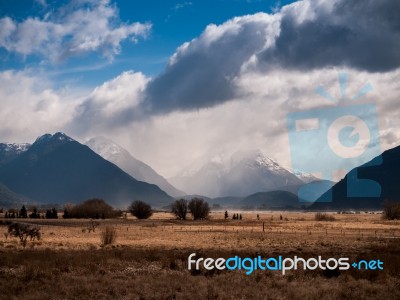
134 167
305 177
58 169
242 174
9 151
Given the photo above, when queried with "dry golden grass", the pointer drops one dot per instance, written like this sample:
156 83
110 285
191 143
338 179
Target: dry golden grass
148 259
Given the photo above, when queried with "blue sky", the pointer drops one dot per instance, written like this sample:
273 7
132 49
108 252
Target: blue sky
173 23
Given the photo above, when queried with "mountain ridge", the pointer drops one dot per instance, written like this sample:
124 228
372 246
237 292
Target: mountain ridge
58 169
119 156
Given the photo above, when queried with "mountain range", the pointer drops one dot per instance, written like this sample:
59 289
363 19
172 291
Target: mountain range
114 153
58 169
241 174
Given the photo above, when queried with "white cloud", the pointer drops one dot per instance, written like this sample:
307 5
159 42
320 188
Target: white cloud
79 27
200 73
30 107
304 36
113 104
182 5
171 142
256 118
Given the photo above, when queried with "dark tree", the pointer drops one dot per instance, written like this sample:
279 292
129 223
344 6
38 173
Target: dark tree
391 210
90 209
23 213
240 216
234 217
34 214
180 208
199 208
140 209
66 214
226 216
51 214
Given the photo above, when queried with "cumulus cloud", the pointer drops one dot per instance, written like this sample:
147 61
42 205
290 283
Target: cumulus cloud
187 139
31 107
306 35
363 34
113 104
201 72
79 27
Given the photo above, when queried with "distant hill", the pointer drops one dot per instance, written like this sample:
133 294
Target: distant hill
58 169
9 199
386 174
272 200
227 201
114 153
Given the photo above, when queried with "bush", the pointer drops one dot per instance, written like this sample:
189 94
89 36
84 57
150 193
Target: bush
140 210
180 208
199 209
391 210
108 236
324 217
23 231
91 209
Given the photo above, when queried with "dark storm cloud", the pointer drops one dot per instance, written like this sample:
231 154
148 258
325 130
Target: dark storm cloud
202 72
362 34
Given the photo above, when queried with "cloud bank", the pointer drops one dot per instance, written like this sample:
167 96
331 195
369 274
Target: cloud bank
306 35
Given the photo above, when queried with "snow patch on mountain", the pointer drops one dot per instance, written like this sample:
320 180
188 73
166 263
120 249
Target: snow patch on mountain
239 174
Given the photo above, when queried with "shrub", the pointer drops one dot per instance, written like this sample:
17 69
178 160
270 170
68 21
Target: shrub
140 209
92 225
180 208
108 235
199 208
324 217
91 209
391 210
23 231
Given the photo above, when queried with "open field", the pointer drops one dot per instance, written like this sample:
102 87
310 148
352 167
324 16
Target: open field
149 258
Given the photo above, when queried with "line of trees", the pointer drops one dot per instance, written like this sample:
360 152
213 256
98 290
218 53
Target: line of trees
198 208
99 209
35 214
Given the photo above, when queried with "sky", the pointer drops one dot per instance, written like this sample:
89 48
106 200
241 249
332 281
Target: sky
179 83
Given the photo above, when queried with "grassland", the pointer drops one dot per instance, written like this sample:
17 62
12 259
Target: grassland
149 258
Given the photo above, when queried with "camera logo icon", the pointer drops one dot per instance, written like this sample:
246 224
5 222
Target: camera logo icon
335 140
